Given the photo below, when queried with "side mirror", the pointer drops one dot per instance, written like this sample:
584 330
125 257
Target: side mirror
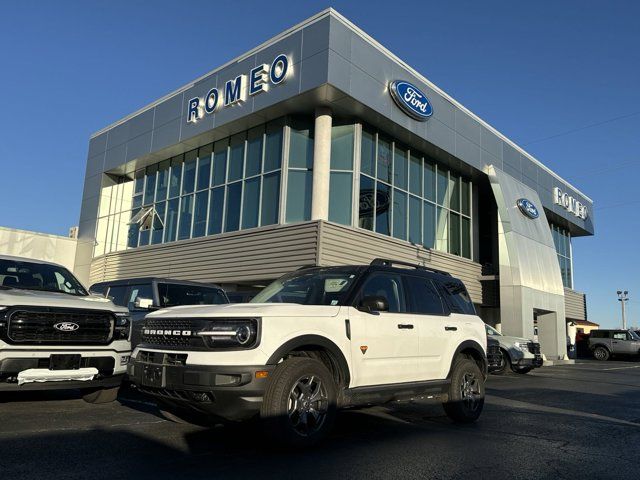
143 303
374 303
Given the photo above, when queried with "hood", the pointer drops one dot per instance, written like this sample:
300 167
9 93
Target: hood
512 340
248 310
34 298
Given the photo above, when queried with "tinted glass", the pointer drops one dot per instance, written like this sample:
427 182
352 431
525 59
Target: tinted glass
186 216
220 162
270 199
400 168
383 202
442 230
301 144
443 182
273 147
342 147
175 176
368 153
254 151
388 286
367 203
429 225
425 299
236 157
454 233
135 292
415 175
384 164
157 229
163 181
204 168
234 197
415 220
251 203
118 295
200 214
172 295
15 274
189 171
458 298
299 196
429 183
399 214
340 189
150 185
216 209
171 222
465 197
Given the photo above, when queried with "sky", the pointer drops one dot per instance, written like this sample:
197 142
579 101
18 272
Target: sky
559 78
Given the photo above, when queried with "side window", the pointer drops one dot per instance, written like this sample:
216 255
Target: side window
388 286
425 299
620 336
138 291
457 297
117 295
98 289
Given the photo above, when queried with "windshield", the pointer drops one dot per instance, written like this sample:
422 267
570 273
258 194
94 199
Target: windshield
38 276
317 286
634 335
492 331
172 295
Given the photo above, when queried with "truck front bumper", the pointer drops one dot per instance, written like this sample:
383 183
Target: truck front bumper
228 393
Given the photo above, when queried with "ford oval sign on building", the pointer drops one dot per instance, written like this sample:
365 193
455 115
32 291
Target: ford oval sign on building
411 100
528 209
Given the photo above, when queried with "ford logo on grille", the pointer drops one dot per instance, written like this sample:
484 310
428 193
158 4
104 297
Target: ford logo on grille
411 100
527 208
66 326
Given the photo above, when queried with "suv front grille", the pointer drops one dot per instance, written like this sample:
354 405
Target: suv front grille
534 348
33 325
174 333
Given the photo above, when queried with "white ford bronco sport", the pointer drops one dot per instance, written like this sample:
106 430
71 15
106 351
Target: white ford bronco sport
315 340
54 335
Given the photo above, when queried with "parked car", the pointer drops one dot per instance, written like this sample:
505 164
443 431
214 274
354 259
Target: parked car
519 355
605 343
494 355
142 295
54 335
317 339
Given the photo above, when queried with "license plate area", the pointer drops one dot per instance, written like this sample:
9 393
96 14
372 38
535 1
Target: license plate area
64 362
153 376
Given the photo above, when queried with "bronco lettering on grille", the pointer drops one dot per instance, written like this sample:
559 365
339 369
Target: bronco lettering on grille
172 333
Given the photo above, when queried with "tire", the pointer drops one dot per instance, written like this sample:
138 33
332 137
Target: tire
299 404
101 395
601 353
522 370
506 363
466 391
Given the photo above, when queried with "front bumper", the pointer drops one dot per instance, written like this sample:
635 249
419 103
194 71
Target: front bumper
532 362
229 393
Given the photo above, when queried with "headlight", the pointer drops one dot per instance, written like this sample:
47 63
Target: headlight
242 333
519 345
122 327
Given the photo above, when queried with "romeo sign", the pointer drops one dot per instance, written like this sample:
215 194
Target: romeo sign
570 204
237 90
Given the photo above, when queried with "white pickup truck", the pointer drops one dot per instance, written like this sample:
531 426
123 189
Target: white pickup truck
54 335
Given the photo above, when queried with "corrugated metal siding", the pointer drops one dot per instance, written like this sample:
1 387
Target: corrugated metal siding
340 245
251 255
575 306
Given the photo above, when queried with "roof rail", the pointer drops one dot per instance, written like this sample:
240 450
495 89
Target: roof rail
304 267
384 262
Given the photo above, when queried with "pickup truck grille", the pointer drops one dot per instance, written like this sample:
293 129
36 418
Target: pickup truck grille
37 326
173 333
494 356
534 348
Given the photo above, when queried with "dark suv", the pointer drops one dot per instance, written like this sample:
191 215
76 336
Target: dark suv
142 295
605 343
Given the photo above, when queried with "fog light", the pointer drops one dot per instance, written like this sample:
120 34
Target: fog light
262 374
124 360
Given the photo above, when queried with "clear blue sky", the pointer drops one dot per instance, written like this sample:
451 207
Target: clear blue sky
531 69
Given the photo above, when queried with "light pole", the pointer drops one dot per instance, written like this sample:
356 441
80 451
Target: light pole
623 297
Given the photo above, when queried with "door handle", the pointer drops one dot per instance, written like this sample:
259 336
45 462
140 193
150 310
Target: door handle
406 326
451 329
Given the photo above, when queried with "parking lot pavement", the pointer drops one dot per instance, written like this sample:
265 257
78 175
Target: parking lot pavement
569 421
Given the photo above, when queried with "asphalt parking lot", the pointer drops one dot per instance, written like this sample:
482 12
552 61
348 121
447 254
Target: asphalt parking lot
569 421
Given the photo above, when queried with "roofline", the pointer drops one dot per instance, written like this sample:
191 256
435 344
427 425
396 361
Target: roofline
382 49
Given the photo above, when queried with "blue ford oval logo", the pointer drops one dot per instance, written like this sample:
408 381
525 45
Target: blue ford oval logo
528 208
411 100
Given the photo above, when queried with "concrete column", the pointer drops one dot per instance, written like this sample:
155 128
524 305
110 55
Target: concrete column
321 164
552 335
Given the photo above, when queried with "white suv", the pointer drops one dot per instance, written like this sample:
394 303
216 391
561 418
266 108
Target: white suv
315 340
54 335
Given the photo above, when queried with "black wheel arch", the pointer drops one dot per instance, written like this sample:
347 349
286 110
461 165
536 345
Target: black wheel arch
315 343
603 345
474 350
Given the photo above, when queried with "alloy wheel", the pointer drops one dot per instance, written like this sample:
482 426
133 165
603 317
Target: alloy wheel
308 405
470 391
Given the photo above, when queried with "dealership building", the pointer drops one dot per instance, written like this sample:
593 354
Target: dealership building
322 147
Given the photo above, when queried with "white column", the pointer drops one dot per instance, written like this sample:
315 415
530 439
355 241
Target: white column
321 164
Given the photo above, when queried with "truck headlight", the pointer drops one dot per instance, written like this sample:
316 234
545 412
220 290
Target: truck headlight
122 327
519 345
241 333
